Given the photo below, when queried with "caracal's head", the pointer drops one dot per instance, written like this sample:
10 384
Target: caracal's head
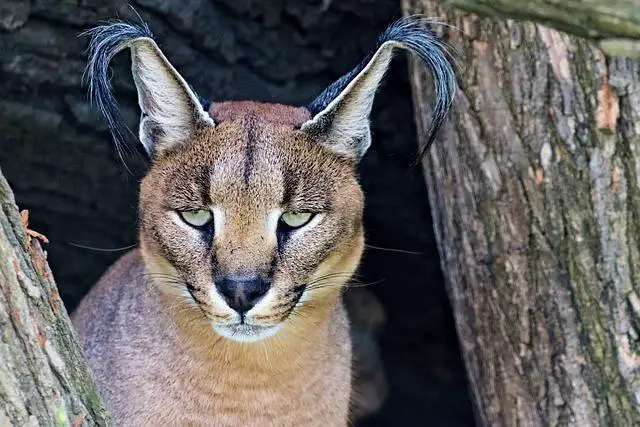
251 214
251 220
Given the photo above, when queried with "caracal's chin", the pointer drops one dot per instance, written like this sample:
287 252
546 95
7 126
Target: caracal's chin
243 332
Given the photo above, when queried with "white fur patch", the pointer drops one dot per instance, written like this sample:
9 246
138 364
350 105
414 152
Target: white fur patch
218 221
246 333
272 221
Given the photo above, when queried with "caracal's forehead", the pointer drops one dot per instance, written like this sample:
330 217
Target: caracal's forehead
252 162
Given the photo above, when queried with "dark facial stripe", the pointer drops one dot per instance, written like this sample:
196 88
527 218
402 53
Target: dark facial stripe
193 291
298 291
290 180
250 142
282 238
204 185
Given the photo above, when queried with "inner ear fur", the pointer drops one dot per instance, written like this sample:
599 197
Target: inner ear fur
170 111
340 114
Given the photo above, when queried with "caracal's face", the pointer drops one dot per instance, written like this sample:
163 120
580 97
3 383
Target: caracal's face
251 223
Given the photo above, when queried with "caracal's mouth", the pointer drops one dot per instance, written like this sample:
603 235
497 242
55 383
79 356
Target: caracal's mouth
242 332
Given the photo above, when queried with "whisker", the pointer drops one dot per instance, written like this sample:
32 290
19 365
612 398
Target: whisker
362 285
402 251
91 248
331 276
162 276
347 285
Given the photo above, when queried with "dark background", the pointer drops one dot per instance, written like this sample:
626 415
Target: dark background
62 166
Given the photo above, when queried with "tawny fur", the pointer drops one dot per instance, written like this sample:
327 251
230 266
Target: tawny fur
153 370
158 334
155 357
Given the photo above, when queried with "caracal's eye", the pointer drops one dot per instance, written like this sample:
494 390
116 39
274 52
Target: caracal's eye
295 219
198 218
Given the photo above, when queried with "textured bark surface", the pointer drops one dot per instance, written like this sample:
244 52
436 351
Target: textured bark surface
44 379
59 159
535 195
615 24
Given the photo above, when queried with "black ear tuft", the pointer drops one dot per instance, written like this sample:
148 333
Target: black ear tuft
105 42
410 33
171 112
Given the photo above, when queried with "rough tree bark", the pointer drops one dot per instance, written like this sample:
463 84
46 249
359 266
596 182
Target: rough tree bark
535 195
44 379
613 24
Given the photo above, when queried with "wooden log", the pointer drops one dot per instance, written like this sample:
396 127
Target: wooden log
44 378
535 195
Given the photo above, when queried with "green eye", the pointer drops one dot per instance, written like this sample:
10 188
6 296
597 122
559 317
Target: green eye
197 218
296 219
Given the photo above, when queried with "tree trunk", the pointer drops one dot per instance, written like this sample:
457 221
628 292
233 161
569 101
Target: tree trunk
535 195
44 379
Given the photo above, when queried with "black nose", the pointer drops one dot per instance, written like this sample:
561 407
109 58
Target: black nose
242 292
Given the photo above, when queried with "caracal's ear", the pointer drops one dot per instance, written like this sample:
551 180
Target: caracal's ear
341 112
171 111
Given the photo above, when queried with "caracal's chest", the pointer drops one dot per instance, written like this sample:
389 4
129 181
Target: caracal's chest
319 398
